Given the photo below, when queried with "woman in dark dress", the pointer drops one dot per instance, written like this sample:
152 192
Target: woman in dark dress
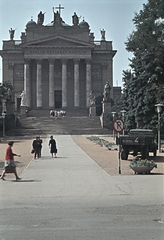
52 145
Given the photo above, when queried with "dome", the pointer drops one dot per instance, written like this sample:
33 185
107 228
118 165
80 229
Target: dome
65 24
31 23
84 24
62 24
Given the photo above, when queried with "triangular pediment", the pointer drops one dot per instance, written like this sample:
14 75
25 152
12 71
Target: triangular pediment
57 41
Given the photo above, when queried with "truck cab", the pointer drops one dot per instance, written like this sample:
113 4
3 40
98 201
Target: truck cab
137 141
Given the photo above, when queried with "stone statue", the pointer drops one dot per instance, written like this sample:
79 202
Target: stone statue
102 34
40 18
11 31
57 19
10 95
23 98
106 94
75 19
92 98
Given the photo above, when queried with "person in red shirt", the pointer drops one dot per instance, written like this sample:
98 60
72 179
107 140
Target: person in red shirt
9 161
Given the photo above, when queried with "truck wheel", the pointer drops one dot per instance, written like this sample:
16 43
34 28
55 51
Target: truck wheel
124 154
135 153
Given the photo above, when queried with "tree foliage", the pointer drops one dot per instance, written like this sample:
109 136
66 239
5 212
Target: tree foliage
144 82
5 92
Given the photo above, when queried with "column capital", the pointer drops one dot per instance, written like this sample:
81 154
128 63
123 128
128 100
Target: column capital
88 60
51 60
76 60
27 60
39 60
103 64
64 60
11 66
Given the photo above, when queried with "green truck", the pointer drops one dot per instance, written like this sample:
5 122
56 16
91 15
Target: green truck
139 141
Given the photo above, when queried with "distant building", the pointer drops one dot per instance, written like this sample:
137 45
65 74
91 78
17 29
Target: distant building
57 65
117 92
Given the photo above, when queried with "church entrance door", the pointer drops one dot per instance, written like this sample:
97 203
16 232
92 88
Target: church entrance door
58 98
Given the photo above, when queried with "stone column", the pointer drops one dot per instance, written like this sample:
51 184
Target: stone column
64 83
110 75
76 83
11 72
51 83
103 74
88 81
27 83
39 84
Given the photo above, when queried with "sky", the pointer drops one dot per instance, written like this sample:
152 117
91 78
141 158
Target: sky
114 16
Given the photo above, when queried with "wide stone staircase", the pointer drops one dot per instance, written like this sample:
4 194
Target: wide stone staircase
39 122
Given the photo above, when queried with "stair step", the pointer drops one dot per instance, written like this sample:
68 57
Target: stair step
42 124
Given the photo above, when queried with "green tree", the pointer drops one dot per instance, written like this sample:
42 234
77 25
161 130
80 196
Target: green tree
5 93
144 83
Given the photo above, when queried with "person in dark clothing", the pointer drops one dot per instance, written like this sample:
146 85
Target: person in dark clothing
52 145
40 146
36 147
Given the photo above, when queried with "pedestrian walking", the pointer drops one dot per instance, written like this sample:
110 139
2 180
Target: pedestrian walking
9 161
52 146
36 147
40 146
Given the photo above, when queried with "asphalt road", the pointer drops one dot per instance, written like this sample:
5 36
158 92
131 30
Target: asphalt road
72 198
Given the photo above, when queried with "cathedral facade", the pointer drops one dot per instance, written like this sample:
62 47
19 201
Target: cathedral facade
57 65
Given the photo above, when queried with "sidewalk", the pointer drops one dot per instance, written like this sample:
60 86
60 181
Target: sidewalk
74 173
71 197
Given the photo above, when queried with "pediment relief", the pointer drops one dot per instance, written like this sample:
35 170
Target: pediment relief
58 42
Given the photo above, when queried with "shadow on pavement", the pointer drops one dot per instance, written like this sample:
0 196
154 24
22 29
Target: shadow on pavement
22 180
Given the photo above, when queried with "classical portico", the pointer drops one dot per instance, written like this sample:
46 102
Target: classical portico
58 65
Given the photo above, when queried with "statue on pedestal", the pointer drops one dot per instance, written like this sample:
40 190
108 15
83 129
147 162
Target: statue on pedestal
23 98
11 31
102 34
106 93
10 95
75 19
57 19
40 18
92 98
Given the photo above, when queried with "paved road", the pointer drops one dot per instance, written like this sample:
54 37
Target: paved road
72 198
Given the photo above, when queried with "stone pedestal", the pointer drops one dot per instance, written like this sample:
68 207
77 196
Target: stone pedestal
92 111
10 108
104 119
23 111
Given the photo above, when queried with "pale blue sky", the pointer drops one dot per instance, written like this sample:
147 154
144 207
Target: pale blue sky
115 16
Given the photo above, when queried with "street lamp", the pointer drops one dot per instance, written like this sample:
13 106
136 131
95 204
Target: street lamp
123 114
113 114
3 115
159 108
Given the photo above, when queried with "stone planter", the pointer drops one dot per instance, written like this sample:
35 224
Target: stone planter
142 169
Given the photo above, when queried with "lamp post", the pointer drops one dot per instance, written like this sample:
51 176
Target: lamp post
113 114
123 115
159 107
3 115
